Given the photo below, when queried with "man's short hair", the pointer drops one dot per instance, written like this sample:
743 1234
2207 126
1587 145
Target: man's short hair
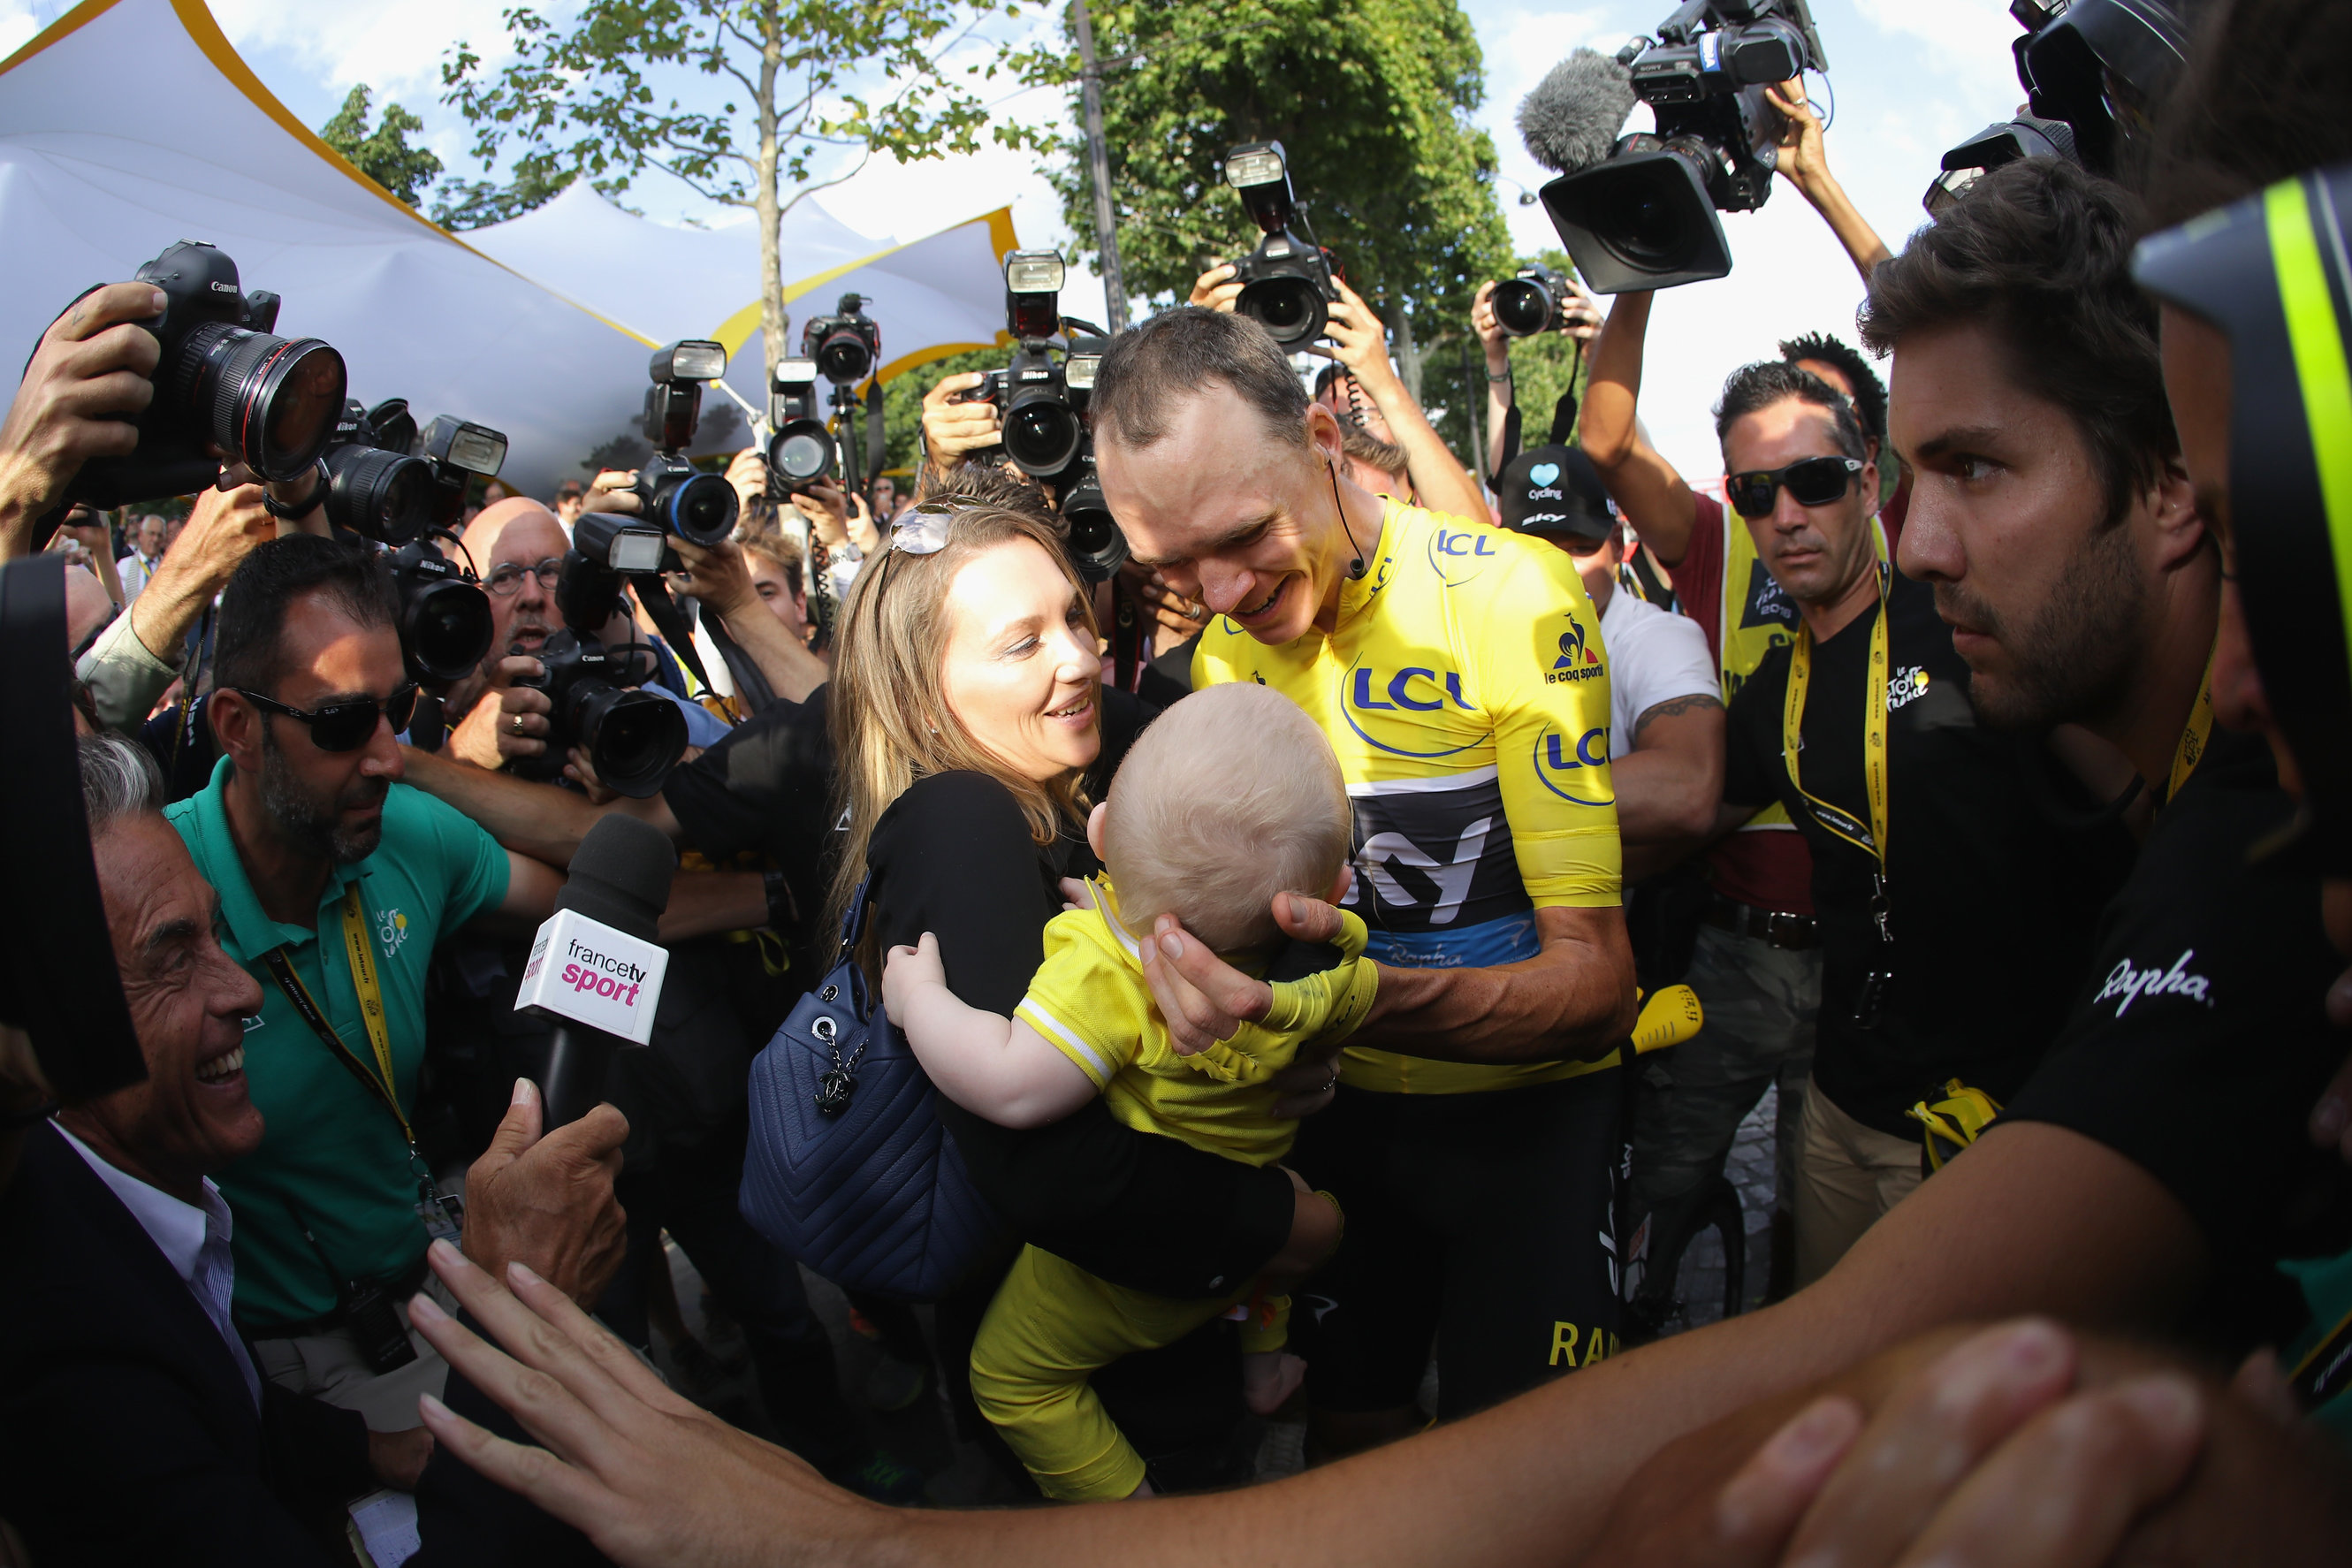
990 484
1153 368
264 587
2261 98
119 779
1373 452
2039 252
1771 381
570 490
779 548
1869 392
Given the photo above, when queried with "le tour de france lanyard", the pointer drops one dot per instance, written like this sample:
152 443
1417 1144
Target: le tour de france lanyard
2199 732
442 1214
1869 837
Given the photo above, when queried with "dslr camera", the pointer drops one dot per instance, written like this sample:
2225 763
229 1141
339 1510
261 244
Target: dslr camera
1644 217
846 345
1286 280
377 489
673 495
802 448
227 389
594 693
2093 72
1531 302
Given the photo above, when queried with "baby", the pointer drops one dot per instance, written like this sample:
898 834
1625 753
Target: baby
1230 797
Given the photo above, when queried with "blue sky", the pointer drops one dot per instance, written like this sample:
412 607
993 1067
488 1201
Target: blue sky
1909 78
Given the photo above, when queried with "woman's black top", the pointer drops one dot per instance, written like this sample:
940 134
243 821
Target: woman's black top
953 857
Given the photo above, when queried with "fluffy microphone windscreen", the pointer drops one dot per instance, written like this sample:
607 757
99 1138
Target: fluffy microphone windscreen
1572 119
621 876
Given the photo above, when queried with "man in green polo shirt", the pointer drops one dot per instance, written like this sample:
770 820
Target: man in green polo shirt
320 855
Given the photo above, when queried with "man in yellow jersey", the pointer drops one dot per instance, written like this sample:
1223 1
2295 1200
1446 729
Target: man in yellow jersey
1460 675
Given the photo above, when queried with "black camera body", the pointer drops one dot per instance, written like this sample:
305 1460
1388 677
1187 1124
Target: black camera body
633 737
374 489
1646 217
801 447
1530 303
1096 544
846 345
444 617
224 383
673 495
1286 282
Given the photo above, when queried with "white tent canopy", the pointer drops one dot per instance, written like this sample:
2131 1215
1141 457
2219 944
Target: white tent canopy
129 124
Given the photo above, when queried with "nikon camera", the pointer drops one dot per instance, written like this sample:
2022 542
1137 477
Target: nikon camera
1286 280
224 383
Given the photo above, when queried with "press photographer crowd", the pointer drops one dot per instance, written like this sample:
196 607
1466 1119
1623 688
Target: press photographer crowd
753 1011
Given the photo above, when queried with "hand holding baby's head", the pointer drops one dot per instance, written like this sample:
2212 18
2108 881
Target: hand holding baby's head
1231 798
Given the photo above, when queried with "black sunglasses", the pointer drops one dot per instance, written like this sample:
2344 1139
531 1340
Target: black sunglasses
1811 481
344 726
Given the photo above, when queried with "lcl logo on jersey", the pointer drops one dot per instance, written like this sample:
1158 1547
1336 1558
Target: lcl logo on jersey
1565 765
1456 555
1414 691
1576 661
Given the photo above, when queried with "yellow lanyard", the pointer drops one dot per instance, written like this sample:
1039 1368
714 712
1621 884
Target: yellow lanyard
1871 838
363 979
2199 732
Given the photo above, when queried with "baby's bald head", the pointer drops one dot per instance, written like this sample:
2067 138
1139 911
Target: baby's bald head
1231 796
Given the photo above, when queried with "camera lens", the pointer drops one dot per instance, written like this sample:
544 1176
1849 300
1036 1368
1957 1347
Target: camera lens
388 496
270 403
1522 307
700 509
1292 308
1041 436
1096 545
444 627
843 357
633 737
1646 218
801 451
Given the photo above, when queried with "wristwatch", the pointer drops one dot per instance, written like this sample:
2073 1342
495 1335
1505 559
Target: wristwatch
294 511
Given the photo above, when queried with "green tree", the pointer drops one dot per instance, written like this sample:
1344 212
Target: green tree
902 402
797 95
476 203
383 154
1371 99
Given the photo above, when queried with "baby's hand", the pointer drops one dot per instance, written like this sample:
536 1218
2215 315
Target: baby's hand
907 971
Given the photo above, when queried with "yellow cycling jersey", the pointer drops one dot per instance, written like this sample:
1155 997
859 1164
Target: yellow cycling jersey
1465 690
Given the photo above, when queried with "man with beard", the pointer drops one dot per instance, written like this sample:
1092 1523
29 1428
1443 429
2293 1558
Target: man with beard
336 881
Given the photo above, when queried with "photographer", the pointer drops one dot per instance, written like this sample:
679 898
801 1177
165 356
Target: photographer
1360 347
1580 322
954 428
88 375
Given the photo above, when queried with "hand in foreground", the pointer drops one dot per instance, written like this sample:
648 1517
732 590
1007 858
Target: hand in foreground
87 379
1358 340
718 575
548 1202
650 1478
2019 1445
951 428
398 1458
1217 288
1489 329
908 970
1203 998
747 470
612 490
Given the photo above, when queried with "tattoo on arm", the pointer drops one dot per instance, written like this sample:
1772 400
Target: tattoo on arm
1696 702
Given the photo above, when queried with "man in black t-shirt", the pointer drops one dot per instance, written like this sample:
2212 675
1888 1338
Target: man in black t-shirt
1954 906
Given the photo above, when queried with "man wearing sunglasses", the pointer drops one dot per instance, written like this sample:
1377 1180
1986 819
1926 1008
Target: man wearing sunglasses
336 882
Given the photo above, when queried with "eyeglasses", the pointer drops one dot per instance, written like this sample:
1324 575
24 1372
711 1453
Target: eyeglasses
1811 481
344 726
505 580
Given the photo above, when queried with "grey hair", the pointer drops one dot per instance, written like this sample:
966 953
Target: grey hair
119 779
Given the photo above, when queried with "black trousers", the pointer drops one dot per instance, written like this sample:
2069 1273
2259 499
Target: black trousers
1480 1223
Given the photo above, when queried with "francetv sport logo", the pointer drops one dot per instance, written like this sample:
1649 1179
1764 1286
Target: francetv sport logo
585 971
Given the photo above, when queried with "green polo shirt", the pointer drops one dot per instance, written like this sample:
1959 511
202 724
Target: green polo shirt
331 1152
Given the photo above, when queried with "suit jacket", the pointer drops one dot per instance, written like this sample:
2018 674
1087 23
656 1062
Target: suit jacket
127 1432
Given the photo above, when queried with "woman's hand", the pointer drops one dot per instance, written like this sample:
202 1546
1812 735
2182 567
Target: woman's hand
907 972
651 1478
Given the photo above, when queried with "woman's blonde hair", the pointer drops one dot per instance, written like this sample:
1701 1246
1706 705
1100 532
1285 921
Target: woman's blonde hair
887 709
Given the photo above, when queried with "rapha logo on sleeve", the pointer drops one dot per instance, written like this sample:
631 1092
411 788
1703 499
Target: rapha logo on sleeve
2126 984
593 975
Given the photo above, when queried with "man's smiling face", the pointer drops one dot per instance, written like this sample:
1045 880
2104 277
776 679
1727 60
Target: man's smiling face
1235 513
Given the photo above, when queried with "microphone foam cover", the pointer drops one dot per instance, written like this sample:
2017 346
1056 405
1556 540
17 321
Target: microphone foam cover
621 876
1572 119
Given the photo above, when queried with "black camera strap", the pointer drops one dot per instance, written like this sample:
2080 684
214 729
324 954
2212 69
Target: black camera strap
873 437
670 621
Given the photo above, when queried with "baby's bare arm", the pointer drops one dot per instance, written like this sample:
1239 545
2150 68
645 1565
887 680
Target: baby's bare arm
994 1067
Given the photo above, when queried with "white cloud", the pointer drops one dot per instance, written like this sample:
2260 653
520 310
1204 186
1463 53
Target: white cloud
18 24
395 49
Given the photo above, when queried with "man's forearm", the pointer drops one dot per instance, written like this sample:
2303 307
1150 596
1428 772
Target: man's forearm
534 819
1863 246
124 677
791 671
1665 797
1439 482
702 902
1575 996
1605 426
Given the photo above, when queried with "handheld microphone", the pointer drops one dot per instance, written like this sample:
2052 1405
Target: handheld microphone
1572 119
595 968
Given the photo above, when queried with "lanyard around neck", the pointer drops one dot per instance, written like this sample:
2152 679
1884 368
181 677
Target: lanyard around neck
1869 837
363 979
2199 732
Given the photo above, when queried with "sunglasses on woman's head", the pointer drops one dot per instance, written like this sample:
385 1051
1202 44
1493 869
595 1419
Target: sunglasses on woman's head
922 529
344 726
1811 481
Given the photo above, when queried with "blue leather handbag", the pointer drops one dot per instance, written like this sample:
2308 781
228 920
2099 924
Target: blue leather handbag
849 1169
